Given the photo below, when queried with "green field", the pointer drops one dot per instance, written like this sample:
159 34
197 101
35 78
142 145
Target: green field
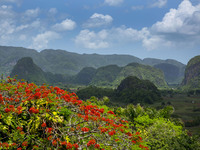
184 108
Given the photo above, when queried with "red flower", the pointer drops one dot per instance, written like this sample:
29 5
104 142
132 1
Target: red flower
13 144
11 106
54 142
137 133
44 124
110 112
133 141
49 138
97 146
19 128
85 129
5 145
64 143
25 143
33 110
7 110
19 148
112 132
91 142
69 145
75 146
19 108
49 130
37 95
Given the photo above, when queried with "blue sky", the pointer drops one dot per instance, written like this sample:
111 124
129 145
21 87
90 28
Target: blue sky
165 29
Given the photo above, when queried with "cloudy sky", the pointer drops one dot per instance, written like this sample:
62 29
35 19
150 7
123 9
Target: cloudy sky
143 28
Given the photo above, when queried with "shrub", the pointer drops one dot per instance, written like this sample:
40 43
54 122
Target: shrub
33 117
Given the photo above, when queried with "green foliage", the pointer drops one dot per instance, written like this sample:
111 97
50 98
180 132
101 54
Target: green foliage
159 130
90 91
134 90
33 117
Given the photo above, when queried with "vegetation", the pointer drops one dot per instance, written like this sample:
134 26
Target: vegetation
42 117
33 117
134 90
192 74
130 90
90 91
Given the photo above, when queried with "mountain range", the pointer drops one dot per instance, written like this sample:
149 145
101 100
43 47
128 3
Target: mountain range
64 62
107 76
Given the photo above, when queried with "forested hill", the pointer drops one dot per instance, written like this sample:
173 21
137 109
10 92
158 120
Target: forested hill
192 74
64 62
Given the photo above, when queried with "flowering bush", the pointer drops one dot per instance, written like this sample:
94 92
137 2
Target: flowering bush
33 117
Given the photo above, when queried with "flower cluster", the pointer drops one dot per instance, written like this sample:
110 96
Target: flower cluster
49 117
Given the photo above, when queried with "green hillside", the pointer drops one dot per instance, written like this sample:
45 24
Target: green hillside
143 72
26 69
85 76
192 74
105 76
173 70
111 76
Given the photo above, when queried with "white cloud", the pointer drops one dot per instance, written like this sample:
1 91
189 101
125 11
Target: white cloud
90 39
137 7
10 1
53 11
32 12
66 24
98 20
106 38
159 3
180 20
179 26
128 34
42 40
113 2
6 12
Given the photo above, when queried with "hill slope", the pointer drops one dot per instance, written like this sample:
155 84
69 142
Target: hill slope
173 70
192 73
26 69
112 75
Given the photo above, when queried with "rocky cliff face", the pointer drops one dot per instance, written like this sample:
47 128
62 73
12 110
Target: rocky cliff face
192 73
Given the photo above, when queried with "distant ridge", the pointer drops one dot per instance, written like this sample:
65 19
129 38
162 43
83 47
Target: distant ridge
107 76
64 62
